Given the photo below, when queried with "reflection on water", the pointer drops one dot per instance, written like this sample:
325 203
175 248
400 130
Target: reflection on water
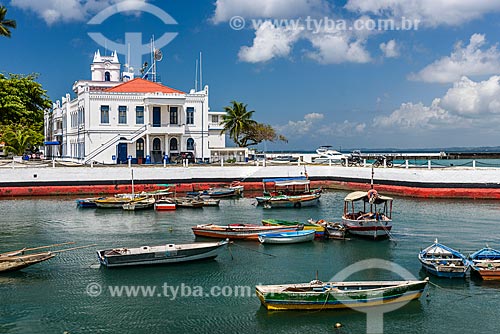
50 297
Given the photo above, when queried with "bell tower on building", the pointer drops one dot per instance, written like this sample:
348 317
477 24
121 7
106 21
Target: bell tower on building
105 68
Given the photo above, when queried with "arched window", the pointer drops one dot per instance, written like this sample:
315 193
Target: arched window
156 144
173 144
107 76
190 144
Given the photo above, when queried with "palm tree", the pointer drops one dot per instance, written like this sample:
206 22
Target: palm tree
5 24
237 121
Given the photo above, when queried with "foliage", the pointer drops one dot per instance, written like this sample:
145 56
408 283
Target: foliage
22 105
5 24
243 130
237 122
260 132
21 97
18 138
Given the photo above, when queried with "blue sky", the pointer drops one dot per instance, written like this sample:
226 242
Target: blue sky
436 85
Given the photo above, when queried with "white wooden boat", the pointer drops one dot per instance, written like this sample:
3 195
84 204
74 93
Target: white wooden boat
373 219
443 261
287 237
165 204
147 203
164 254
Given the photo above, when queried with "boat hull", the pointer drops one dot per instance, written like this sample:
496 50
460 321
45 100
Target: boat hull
368 228
487 274
287 237
335 295
172 254
238 232
319 230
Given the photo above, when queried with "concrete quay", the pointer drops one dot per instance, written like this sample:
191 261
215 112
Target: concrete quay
452 182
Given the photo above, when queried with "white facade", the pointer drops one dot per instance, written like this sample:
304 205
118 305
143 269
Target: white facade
115 117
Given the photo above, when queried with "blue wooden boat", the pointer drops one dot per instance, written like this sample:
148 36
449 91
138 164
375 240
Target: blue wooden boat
443 261
486 263
87 202
287 237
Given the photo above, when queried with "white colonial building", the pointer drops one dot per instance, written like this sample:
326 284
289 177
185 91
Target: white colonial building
114 117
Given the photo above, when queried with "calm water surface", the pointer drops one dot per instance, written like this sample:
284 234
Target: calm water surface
51 297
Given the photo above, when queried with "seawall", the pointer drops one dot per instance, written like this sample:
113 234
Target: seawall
478 183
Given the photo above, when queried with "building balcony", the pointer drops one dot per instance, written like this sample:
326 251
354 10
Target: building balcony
215 126
166 129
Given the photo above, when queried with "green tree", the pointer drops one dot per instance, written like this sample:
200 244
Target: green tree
5 24
17 139
22 105
237 121
260 132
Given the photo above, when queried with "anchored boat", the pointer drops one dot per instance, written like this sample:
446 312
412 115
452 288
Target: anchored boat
239 231
373 219
310 225
317 295
486 263
290 192
286 237
443 261
171 253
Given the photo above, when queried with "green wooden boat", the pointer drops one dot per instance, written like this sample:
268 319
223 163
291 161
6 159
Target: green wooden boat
317 295
320 230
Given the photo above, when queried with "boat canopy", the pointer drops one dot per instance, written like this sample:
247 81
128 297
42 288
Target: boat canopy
363 196
486 254
440 249
288 181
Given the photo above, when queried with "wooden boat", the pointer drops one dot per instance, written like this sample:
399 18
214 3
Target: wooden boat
443 261
165 204
286 237
164 254
233 190
310 225
12 263
486 263
373 220
291 192
116 202
239 231
290 201
317 295
210 201
147 203
332 230
188 202
87 202
17 260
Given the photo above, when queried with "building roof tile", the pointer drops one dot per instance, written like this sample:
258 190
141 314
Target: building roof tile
139 85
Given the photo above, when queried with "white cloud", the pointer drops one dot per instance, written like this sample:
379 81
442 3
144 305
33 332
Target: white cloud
417 116
344 129
307 126
390 49
470 60
465 105
54 11
338 47
429 12
269 42
225 9
469 98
